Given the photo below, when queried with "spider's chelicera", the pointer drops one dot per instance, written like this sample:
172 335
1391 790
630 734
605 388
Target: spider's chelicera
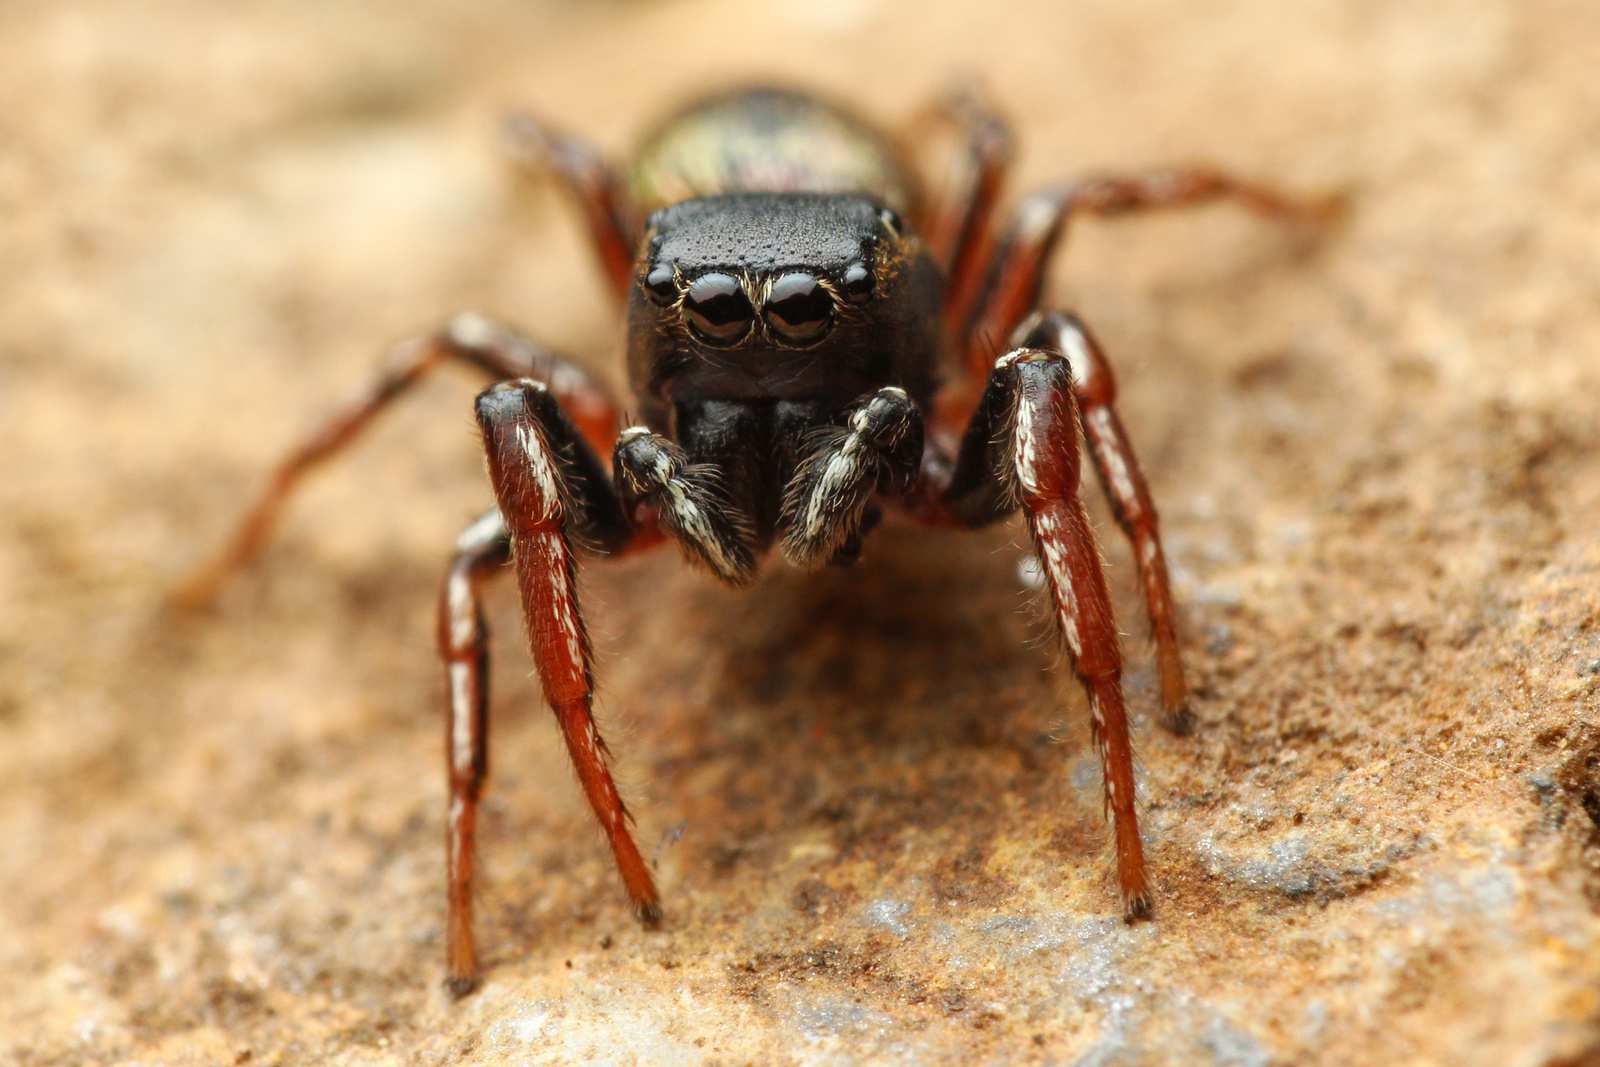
810 340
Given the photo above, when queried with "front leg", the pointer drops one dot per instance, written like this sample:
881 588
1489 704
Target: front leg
1022 447
1095 387
538 463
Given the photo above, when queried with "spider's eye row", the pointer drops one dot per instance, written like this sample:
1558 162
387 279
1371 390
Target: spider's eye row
800 308
717 310
661 285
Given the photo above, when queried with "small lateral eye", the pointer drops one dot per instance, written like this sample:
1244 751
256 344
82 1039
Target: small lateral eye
857 283
661 285
800 309
717 310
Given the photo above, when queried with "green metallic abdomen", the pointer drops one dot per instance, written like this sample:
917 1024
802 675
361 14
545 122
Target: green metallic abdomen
768 140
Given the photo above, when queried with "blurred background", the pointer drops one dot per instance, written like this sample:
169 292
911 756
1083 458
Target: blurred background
871 803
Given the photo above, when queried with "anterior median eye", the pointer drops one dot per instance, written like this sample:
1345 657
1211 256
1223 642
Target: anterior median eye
717 310
800 309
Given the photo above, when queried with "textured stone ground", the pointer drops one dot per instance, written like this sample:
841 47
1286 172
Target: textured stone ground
871 803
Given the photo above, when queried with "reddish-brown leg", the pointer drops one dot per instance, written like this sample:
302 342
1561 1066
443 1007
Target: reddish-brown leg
505 354
1125 489
522 429
464 646
957 226
1021 447
599 192
1016 270
1044 457
469 339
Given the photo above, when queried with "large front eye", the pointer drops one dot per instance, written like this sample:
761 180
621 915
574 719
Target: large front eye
717 310
799 310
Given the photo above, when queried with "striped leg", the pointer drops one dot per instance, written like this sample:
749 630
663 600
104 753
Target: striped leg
1125 489
1022 447
469 339
464 646
548 484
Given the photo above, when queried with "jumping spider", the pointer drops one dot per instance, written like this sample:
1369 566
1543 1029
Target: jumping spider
809 341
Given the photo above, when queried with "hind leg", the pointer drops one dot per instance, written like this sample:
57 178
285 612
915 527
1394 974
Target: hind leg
595 187
1021 255
957 227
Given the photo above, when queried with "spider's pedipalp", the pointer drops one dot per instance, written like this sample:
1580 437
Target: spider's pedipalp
877 449
689 503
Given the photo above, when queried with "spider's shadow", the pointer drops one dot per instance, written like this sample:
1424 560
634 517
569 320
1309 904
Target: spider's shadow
926 641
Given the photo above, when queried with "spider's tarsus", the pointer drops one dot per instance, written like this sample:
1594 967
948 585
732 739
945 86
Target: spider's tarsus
459 985
1139 908
649 914
1180 720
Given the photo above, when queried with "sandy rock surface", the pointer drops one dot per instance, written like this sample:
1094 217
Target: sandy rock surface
871 803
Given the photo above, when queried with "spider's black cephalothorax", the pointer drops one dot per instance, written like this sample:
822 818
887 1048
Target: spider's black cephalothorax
761 318
811 342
